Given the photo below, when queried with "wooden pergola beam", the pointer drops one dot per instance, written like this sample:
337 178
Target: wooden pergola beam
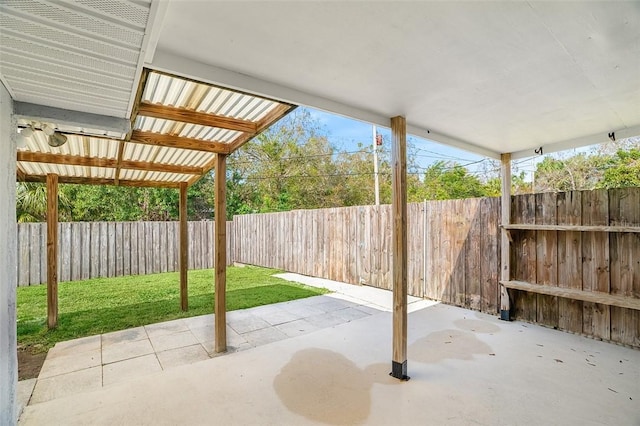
277 113
170 141
399 238
103 181
184 248
195 117
505 246
52 250
76 160
220 264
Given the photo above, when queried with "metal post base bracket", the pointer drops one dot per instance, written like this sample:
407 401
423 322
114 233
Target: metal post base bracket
504 315
399 370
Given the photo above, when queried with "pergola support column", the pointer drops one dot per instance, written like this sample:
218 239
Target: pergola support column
52 250
399 211
220 253
184 248
505 245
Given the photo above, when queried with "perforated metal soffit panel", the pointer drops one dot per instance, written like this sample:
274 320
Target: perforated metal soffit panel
79 55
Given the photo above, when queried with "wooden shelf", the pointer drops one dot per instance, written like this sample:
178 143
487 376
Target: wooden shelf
571 293
580 228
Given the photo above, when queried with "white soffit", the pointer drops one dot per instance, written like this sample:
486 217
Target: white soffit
82 55
486 76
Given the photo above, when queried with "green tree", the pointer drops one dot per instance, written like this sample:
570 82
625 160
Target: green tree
623 170
445 180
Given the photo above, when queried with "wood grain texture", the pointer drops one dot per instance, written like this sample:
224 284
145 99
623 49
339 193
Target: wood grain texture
194 117
595 263
52 251
220 304
546 258
399 208
183 248
570 260
181 142
505 219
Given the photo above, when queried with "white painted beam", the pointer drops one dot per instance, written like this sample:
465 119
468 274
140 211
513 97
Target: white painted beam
603 137
68 117
174 64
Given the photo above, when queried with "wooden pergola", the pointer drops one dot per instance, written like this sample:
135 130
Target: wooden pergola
180 130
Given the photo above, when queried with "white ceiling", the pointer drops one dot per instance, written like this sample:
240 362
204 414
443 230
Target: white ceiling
489 76
83 55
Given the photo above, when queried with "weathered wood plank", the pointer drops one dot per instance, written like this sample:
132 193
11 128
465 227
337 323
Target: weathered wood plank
183 248
570 260
111 249
85 267
64 251
119 243
126 248
471 212
34 255
576 294
220 304
523 256
624 209
23 255
546 258
595 264
489 264
399 245
52 250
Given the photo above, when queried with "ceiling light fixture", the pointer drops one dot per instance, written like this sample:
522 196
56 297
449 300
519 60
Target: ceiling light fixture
56 139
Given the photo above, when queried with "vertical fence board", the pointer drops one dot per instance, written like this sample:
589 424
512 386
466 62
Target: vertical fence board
133 232
547 258
64 252
471 213
119 249
624 209
595 264
126 248
34 255
523 256
570 260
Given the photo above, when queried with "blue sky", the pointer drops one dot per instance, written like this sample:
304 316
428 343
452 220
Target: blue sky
346 133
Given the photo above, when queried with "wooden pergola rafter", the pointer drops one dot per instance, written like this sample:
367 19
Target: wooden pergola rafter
193 128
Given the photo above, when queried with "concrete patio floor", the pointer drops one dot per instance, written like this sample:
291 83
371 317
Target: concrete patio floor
465 368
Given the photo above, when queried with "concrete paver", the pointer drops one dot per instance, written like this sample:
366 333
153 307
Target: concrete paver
93 362
125 350
63 385
128 369
181 356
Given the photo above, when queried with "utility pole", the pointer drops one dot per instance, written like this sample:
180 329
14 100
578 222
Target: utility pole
375 165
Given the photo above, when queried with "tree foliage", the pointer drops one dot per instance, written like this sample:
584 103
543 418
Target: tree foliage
294 165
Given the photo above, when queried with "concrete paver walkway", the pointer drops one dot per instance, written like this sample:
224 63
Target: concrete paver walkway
90 363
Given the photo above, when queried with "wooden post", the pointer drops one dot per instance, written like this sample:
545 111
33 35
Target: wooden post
184 248
399 208
220 253
52 250
505 246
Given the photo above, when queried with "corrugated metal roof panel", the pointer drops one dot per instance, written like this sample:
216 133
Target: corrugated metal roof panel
180 93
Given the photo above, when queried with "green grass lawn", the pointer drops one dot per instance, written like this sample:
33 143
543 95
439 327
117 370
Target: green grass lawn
101 305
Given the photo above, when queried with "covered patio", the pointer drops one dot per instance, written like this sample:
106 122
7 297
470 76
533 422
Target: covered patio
138 90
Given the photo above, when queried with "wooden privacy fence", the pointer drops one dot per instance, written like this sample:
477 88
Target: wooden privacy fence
459 252
454 244
111 249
